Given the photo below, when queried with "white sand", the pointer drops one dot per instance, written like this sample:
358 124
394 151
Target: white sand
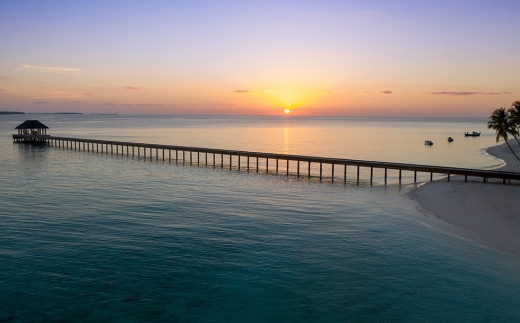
491 211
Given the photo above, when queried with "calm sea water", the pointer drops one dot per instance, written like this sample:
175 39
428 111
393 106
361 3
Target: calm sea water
88 237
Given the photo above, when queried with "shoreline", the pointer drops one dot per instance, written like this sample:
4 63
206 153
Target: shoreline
490 211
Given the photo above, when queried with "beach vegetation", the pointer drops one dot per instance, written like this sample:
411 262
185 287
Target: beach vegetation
500 121
514 117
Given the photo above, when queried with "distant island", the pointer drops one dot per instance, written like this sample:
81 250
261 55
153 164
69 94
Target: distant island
68 113
11 112
104 114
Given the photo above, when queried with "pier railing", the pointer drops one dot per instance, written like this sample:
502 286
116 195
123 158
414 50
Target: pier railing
250 161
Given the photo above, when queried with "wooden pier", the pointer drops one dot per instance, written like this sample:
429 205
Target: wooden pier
299 166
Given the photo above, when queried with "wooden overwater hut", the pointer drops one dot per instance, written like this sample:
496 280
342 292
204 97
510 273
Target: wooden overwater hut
31 131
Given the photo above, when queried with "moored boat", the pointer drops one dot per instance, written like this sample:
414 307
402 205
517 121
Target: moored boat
450 139
472 134
428 142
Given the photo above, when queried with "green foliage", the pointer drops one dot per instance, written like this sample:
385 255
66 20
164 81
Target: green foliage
504 125
514 115
499 121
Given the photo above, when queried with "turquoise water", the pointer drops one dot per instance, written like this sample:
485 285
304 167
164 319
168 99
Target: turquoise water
86 237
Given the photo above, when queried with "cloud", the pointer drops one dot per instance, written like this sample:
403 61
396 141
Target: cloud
131 88
385 92
181 105
57 69
4 77
462 93
88 94
134 104
243 91
366 92
41 102
221 104
2 90
270 91
326 92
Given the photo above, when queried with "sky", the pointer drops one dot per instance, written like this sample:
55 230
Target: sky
310 58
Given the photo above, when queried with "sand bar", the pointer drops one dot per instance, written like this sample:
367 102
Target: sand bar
492 211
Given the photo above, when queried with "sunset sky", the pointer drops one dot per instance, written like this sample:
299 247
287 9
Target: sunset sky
348 58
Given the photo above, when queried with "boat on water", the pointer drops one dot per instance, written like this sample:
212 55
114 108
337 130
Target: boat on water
450 139
472 134
428 142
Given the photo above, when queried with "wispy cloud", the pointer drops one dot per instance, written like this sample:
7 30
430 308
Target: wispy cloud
325 92
41 102
88 94
243 91
366 92
270 91
462 93
133 104
221 104
3 77
131 88
385 92
50 69
2 90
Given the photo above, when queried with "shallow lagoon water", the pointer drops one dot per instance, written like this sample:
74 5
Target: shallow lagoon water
91 238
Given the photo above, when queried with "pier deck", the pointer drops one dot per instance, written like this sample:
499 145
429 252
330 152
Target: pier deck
170 153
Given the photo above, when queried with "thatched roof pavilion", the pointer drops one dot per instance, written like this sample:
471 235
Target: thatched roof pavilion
32 127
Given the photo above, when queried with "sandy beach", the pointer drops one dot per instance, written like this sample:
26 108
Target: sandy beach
491 211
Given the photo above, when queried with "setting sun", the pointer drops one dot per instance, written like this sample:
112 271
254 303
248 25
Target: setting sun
286 111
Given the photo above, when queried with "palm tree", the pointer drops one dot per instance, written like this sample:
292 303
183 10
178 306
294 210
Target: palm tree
514 117
499 121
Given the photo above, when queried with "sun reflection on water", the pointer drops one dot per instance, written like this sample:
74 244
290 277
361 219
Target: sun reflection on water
286 140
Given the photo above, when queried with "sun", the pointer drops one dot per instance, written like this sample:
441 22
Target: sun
286 111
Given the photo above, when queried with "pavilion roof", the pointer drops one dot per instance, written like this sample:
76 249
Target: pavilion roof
32 124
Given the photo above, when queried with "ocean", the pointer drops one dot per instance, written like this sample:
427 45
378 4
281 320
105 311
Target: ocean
88 237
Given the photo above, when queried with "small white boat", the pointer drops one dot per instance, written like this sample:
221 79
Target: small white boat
428 142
